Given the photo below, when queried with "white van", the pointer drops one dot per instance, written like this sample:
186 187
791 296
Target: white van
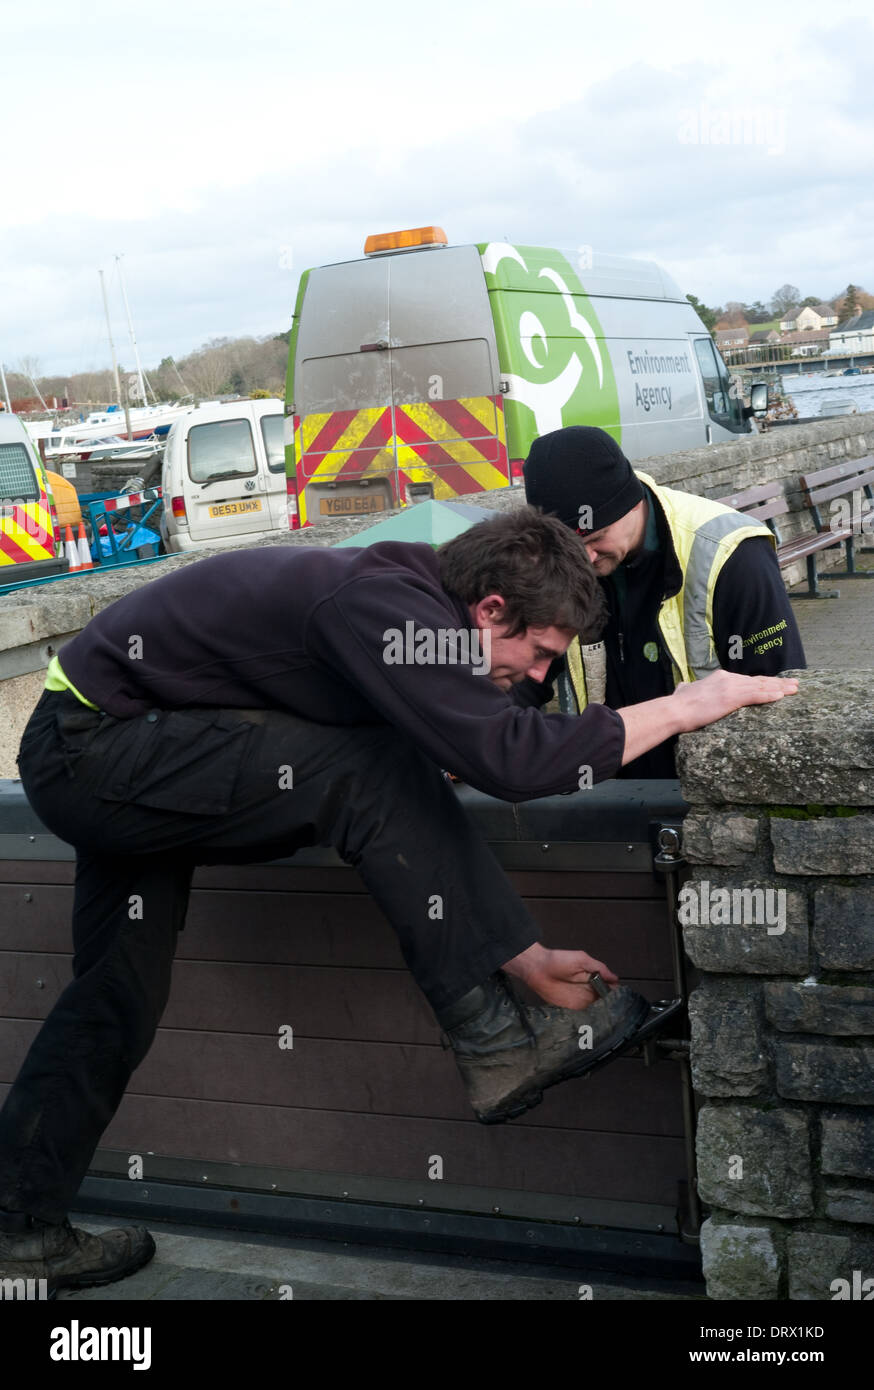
223 477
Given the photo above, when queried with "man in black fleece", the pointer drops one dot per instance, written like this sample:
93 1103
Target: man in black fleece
259 701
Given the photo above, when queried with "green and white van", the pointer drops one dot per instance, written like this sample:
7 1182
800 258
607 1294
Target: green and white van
427 370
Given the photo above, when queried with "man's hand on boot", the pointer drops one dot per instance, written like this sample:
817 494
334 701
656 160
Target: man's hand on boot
559 977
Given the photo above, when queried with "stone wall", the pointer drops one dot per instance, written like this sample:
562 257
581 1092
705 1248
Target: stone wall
782 1048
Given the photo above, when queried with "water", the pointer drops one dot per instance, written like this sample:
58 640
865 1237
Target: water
809 393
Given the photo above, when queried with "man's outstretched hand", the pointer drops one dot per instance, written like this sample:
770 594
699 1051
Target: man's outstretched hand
560 977
722 692
695 704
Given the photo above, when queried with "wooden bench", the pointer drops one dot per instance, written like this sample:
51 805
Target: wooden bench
767 501
844 480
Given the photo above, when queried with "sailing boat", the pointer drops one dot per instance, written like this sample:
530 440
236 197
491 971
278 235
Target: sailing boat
140 421
121 428
122 421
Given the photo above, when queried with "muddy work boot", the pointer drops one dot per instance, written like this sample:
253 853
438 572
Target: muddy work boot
509 1053
68 1258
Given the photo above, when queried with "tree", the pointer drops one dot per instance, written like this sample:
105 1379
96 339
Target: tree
757 312
219 367
810 302
207 370
707 316
851 302
785 298
863 301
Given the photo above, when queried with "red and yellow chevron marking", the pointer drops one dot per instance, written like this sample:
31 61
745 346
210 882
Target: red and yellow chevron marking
26 533
457 446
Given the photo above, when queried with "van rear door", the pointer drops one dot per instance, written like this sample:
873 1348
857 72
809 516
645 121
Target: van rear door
225 489
396 384
344 450
448 412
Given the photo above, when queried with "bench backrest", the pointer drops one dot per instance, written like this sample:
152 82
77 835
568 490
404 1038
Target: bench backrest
761 503
837 480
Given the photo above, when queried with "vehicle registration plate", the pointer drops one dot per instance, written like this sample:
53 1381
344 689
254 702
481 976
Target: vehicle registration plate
346 506
235 508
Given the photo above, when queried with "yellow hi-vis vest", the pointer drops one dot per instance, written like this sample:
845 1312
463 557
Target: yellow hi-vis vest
704 535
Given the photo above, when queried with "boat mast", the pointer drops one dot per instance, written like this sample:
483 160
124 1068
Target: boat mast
121 400
38 391
5 387
130 326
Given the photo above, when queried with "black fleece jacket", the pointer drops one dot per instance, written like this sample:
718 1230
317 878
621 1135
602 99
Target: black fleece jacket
305 631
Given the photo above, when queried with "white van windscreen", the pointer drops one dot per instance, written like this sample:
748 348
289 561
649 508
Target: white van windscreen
17 478
220 449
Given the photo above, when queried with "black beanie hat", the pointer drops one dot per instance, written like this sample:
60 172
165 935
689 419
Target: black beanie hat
581 466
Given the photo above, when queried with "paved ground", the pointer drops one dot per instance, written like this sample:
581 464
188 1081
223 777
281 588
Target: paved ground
839 633
193 1265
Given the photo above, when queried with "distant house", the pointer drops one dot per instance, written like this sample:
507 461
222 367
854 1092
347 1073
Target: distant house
788 321
816 316
760 343
854 335
811 343
732 337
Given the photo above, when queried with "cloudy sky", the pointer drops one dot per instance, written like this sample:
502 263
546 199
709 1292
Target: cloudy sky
221 148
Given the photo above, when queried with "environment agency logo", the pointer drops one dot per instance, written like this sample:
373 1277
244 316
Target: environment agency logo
560 370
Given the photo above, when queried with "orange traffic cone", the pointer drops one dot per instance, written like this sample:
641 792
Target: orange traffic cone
85 561
71 550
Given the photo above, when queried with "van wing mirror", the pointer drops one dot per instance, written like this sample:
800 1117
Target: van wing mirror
758 399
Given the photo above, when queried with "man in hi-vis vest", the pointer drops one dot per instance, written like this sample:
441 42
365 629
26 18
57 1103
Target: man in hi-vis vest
691 585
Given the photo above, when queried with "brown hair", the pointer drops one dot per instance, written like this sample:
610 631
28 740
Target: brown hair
536 564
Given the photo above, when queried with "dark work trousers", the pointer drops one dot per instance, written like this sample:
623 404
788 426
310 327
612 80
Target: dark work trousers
143 801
